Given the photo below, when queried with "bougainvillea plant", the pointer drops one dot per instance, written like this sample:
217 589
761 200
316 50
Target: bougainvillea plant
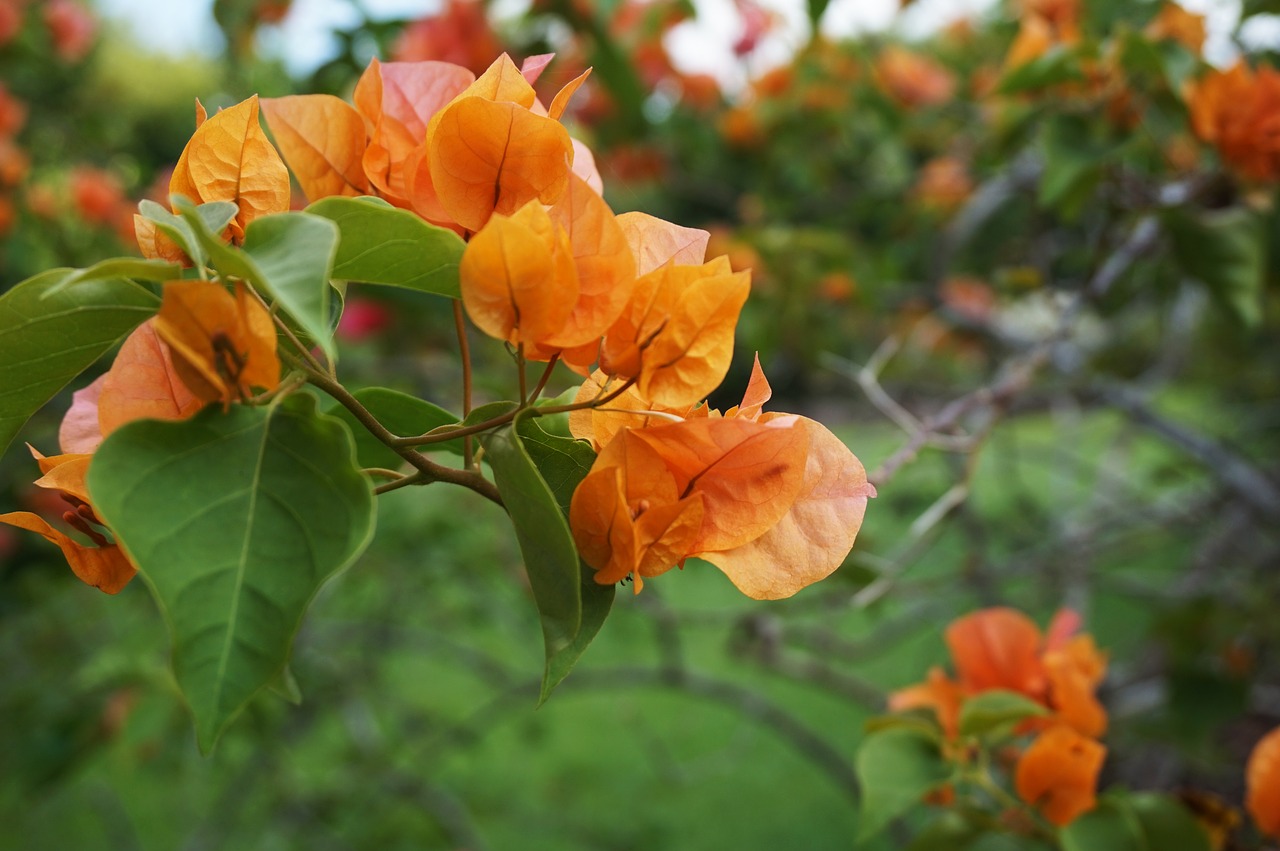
1011 745
205 460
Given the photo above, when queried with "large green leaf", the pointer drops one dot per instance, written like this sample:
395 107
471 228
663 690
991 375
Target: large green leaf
287 256
564 462
383 245
1226 250
896 767
403 415
234 520
47 340
550 556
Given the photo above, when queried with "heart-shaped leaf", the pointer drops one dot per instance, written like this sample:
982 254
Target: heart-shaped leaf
234 520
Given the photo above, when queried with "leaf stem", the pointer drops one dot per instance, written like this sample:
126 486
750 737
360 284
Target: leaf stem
464 350
546 376
428 470
524 381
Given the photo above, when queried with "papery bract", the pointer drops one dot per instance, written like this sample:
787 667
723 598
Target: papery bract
811 540
745 475
518 278
398 100
1058 774
143 384
605 273
997 648
675 336
1074 672
939 693
221 345
493 157
80 432
230 159
104 566
655 241
1262 784
322 140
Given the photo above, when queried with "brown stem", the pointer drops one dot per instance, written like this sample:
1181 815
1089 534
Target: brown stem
428 470
546 376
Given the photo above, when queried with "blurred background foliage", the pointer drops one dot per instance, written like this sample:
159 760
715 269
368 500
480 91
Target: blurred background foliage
1029 297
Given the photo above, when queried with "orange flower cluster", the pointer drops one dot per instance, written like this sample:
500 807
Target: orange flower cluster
1001 648
773 500
913 80
1237 111
433 138
1262 784
205 345
458 33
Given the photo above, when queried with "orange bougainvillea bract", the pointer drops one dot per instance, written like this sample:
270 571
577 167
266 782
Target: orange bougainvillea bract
323 140
222 345
1001 648
230 159
1262 784
1236 111
1058 774
781 498
103 565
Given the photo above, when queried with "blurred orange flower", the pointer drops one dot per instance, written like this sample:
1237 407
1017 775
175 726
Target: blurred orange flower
1262 783
1238 111
459 33
913 80
1177 24
1001 648
103 565
1058 774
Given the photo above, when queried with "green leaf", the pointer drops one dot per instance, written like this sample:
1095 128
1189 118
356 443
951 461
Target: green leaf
286 686
1259 7
1108 825
1073 163
1059 65
950 831
213 216
550 555
1166 824
1226 251
234 520
47 340
896 768
288 256
383 245
992 710
563 463
403 415
816 8
121 267
917 718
